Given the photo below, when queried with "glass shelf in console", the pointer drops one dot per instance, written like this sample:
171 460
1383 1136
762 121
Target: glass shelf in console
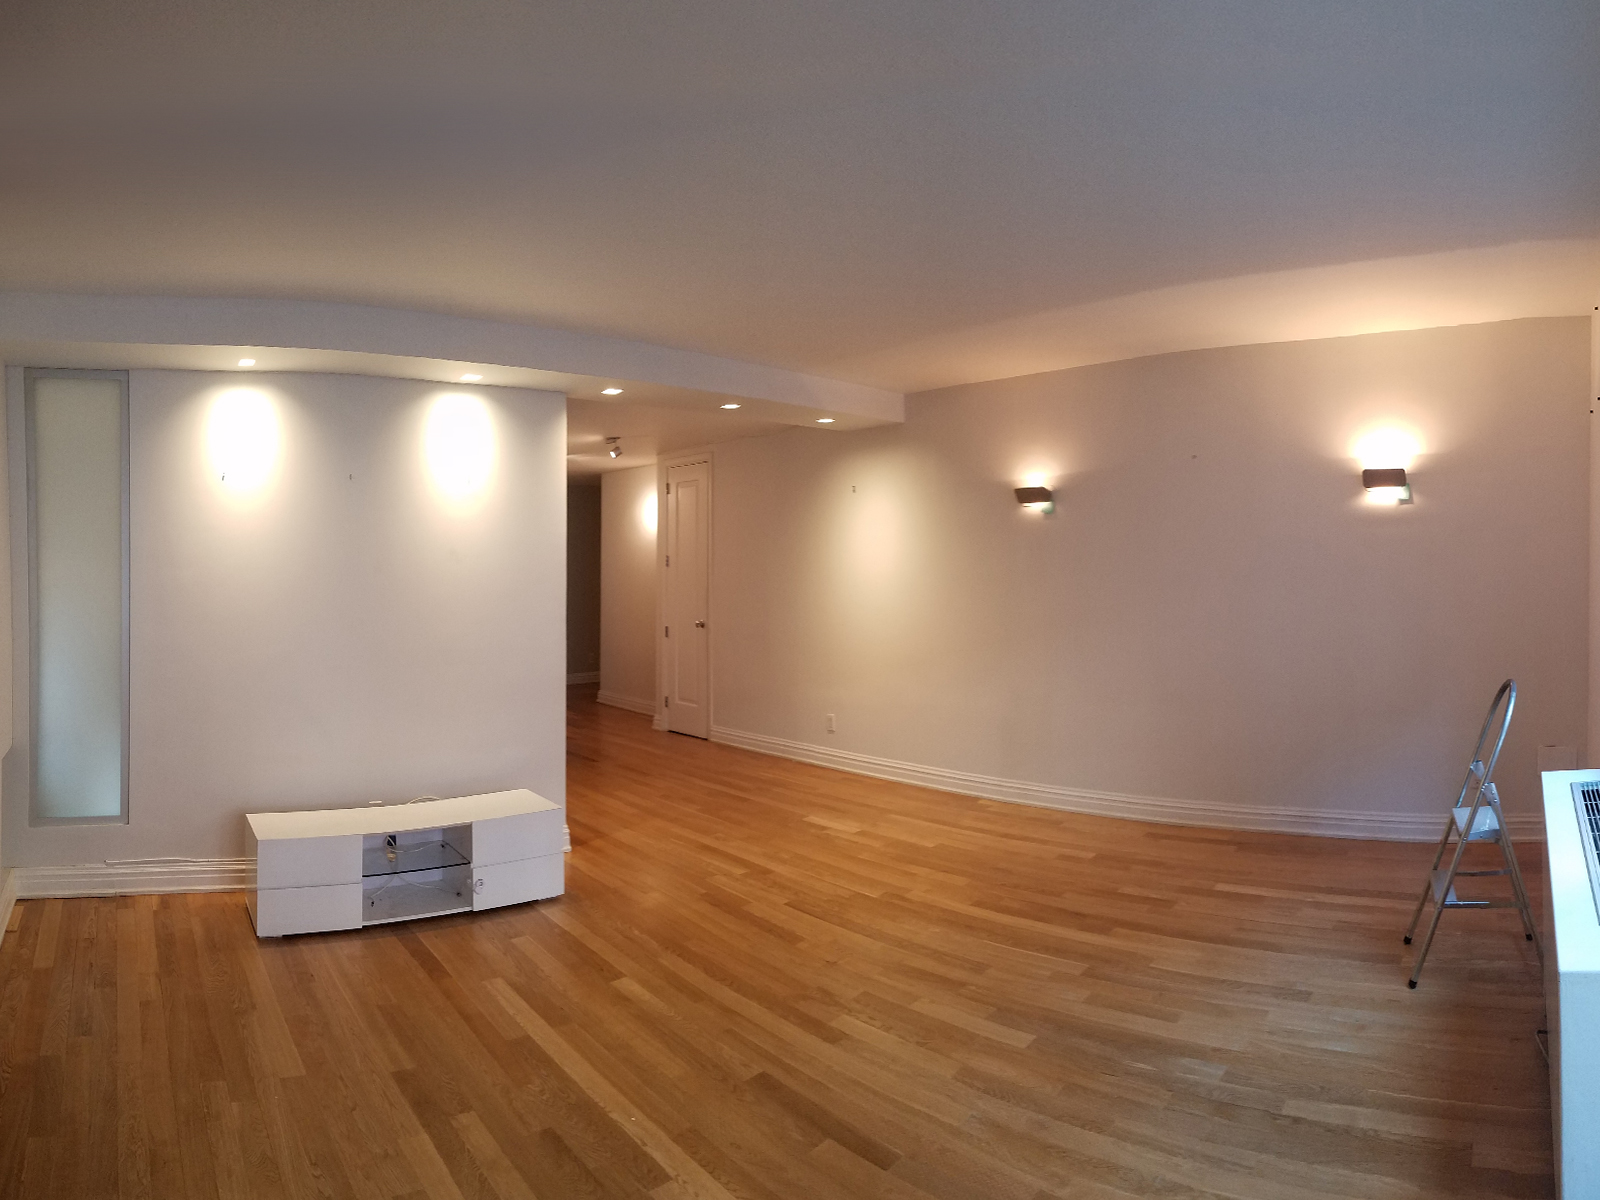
401 857
412 894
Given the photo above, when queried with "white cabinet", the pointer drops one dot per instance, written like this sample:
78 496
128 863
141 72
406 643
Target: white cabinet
348 867
1571 953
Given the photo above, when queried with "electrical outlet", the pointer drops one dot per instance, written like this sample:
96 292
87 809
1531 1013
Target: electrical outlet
828 720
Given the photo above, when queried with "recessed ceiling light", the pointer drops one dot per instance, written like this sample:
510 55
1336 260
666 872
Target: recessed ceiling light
730 406
247 362
611 391
824 420
469 377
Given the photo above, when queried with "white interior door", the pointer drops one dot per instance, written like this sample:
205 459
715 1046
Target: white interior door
688 583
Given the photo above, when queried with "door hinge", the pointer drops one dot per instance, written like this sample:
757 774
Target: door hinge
669 489
669 560
666 702
666 631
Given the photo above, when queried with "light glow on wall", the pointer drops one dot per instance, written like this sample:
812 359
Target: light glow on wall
1382 447
1386 446
243 437
647 514
459 444
875 532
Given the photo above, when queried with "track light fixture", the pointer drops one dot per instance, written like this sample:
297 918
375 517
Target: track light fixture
613 447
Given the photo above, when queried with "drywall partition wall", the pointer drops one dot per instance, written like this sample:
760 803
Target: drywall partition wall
1212 627
10 385
583 583
1593 758
343 589
628 588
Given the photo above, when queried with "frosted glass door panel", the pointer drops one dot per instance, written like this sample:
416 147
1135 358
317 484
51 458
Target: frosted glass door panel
77 470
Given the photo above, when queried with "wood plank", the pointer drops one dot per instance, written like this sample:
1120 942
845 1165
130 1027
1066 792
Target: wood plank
769 980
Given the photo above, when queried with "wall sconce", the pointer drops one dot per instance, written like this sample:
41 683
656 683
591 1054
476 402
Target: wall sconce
613 447
1386 485
1037 498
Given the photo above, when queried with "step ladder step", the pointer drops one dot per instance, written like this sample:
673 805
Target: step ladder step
1443 891
1485 826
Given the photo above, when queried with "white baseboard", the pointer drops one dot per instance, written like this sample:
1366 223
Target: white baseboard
583 677
8 898
134 878
627 702
1393 827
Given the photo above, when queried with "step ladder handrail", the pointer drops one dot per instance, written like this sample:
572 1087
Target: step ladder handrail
1476 768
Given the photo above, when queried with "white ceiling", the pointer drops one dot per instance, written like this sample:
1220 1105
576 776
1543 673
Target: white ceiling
904 193
648 431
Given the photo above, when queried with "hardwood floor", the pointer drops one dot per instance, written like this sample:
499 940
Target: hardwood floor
771 980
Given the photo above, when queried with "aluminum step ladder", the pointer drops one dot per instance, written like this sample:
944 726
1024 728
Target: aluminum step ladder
1476 817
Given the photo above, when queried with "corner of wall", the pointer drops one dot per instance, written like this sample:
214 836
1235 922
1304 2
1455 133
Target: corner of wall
9 378
8 898
1592 751
629 600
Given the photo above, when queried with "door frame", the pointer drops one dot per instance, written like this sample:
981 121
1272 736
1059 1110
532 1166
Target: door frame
685 458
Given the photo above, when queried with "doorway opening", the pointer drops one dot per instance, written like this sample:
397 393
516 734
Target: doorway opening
686 587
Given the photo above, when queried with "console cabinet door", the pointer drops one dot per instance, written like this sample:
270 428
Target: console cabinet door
308 861
524 835
279 911
518 882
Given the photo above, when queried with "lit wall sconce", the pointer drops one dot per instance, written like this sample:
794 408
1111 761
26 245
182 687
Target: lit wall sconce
1038 499
1386 485
614 447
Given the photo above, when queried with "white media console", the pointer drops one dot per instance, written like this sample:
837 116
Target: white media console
343 868
1572 976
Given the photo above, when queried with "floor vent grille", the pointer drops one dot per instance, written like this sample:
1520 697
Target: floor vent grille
1586 798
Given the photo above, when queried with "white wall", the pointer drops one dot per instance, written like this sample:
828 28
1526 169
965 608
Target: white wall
10 385
1593 757
628 597
1212 617
343 633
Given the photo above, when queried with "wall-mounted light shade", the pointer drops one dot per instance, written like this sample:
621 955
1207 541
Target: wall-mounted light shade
1039 498
1386 485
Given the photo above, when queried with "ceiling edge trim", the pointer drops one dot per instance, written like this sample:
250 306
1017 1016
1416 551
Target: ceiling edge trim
325 325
